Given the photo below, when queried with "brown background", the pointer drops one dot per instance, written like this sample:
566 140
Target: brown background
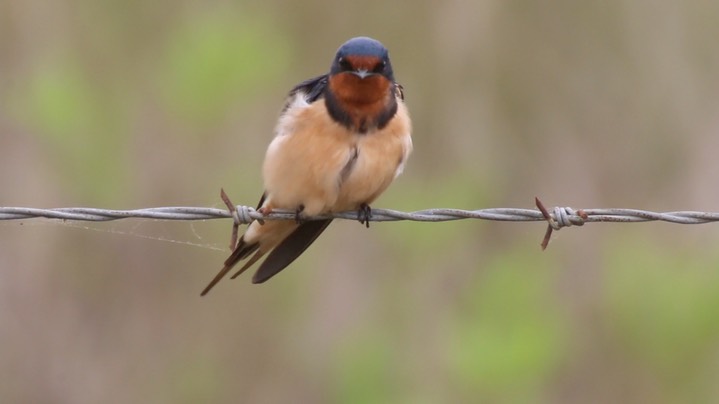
130 104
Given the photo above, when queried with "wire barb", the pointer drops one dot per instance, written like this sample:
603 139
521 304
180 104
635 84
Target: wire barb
235 216
240 214
563 217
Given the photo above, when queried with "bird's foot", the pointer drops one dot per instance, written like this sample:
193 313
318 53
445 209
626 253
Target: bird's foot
298 214
364 214
265 210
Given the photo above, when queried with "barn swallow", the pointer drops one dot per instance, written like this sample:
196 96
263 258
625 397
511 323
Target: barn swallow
340 141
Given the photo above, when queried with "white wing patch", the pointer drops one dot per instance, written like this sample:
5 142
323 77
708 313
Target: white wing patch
295 105
407 149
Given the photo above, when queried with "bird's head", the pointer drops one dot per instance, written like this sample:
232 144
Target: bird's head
361 92
364 58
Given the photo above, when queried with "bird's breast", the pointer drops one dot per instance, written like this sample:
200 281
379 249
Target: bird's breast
380 156
324 166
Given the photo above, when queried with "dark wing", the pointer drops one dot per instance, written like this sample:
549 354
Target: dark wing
312 88
296 243
290 248
262 200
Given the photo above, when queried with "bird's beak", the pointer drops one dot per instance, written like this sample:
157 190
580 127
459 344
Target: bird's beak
362 73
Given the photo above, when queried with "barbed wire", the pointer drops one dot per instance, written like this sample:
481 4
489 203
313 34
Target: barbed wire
378 215
565 216
557 217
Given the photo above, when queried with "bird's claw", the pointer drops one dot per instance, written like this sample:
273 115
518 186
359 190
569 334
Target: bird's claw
364 214
298 214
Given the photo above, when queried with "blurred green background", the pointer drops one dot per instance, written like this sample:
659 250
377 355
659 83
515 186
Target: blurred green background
129 104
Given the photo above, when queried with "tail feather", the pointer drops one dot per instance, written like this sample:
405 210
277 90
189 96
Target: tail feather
258 255
241 252
290 241
289 249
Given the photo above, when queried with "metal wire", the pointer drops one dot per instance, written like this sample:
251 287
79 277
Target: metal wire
556 217
562 216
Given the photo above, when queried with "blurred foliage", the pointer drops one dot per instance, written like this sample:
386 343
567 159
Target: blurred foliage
80 125
195 379
663 306
214 58
368 369
412 195
508 336
63 104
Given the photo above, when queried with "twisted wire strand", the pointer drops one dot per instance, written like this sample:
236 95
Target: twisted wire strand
561 216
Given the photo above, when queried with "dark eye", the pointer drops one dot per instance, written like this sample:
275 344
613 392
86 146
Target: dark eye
379 67
344 64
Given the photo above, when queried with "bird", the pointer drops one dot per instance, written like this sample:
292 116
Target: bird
340 140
